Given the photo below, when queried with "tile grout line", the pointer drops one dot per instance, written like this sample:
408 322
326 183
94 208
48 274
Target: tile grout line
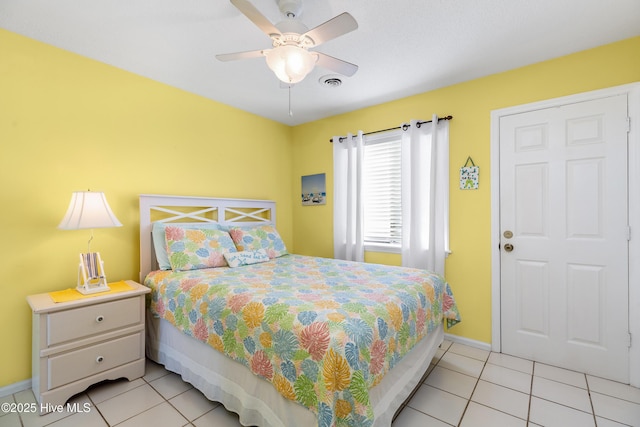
189 422
434 366
121 393
167 400
593 410
472 391
95 405
588 390
533 375
486 362
423 383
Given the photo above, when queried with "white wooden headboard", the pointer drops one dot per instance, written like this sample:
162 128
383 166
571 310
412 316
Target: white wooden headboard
226 212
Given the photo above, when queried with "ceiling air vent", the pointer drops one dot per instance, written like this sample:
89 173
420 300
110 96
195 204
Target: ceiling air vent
330 81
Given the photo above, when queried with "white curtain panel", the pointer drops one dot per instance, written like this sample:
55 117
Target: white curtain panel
425 195
348 222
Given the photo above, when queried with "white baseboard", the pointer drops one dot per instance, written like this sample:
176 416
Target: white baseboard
15 388
466 341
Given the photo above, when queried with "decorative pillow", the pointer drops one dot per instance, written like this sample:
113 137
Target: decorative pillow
191 249
159 239
261 237
237 259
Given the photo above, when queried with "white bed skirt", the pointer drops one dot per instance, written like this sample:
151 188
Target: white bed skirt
254 399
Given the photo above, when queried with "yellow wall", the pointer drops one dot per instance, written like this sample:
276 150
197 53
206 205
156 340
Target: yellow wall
468 268
68 123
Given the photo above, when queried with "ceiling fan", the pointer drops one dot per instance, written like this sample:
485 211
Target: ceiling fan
290 58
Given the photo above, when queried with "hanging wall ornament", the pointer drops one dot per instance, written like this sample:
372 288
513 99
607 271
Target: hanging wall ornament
469 175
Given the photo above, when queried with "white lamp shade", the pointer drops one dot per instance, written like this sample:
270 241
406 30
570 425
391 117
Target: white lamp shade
290 63
88 209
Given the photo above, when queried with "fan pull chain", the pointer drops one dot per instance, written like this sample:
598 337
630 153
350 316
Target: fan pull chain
290 110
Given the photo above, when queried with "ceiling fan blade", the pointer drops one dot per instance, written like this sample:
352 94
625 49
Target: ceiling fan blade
240 55
256 17
336 65
335 27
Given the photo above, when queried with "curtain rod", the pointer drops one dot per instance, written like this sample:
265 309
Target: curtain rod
403 127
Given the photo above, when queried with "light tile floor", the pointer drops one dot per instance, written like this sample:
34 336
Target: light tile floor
466 387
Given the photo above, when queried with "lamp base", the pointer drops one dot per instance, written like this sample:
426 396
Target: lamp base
88 290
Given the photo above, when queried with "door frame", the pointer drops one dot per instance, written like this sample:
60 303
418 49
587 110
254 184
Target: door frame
632 90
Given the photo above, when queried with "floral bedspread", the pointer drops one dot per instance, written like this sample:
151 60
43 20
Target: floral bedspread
322 331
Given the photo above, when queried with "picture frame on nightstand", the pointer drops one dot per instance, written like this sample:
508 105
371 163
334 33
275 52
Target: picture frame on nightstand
91 276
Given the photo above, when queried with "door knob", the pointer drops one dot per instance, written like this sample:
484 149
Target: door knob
508 247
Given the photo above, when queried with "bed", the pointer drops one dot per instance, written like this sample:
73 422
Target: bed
278 338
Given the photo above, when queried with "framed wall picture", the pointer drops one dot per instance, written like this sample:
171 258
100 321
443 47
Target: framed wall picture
314 190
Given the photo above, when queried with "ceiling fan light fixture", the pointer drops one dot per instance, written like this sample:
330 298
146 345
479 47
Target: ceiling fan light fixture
290 63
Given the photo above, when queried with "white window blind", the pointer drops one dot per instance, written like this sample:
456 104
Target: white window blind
381 190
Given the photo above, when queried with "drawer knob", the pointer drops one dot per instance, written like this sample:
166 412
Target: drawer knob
99 359
100 319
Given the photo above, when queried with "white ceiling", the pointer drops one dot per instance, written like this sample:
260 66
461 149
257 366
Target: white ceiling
402 47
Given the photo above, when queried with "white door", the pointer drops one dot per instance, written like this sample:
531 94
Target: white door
565 236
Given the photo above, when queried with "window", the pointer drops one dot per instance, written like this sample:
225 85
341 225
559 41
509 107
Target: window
381 192
379 206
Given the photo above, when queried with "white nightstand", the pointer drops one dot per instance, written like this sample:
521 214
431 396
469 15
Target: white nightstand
85 341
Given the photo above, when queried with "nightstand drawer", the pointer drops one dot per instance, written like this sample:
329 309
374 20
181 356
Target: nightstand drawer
75 365
94 319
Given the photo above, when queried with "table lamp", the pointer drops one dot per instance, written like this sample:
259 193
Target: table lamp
89 209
